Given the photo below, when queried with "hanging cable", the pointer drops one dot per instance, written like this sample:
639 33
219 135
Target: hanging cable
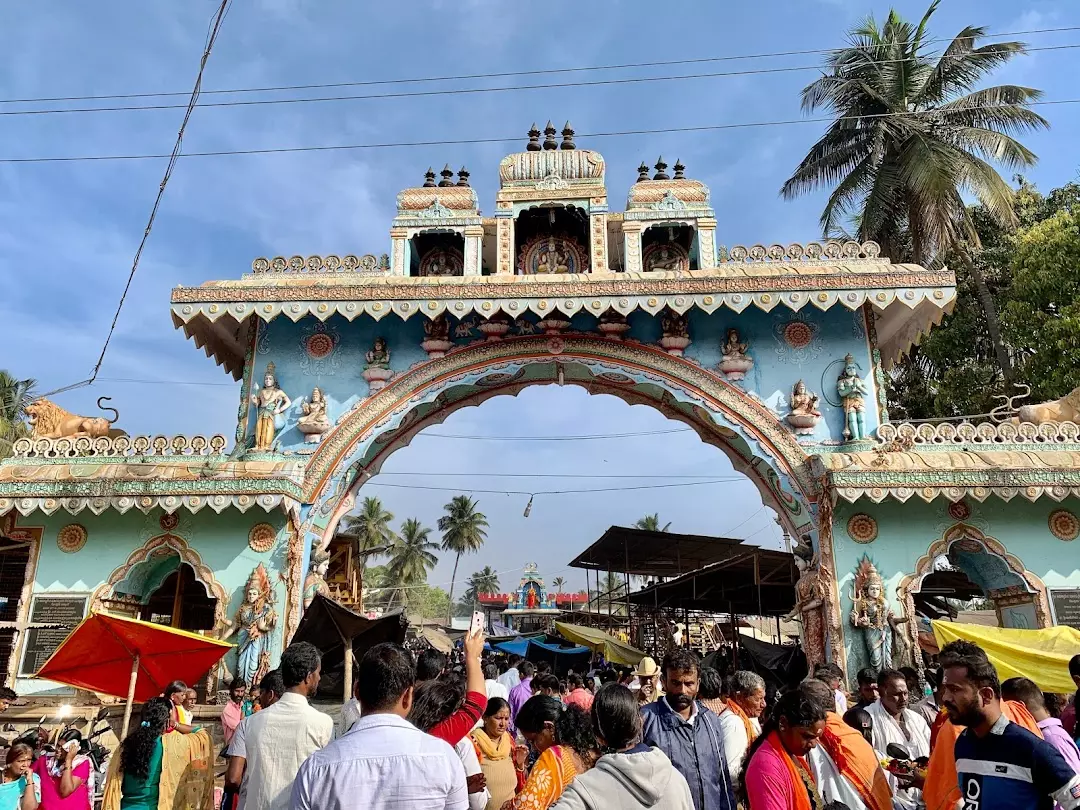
211 38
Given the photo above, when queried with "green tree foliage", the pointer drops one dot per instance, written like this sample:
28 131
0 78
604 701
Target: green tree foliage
557 584
15 395
651 523
411 559
370 526
481 582
464 530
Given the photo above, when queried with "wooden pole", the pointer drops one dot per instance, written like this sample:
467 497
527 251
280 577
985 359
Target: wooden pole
130 698
348 670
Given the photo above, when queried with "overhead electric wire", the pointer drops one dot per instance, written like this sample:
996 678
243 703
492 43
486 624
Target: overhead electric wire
506 74
652 476
516 139
586 437
473 90
211 38
376 483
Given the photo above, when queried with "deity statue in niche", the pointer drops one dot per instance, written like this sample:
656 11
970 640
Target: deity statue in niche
315 422
436 340
871 616
531 597
315 582
852 389
271 402
804 414
736 362
676 332
664 256
377 369
254 623
811 592
552 259
442 262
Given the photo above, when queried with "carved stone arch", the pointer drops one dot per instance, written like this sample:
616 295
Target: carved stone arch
966 533
167 545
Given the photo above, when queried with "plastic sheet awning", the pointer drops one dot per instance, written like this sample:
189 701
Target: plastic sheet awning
1041 655
613 650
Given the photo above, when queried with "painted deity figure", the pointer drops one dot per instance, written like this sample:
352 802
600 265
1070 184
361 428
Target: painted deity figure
379 355
530 598
674 325
271 402
315 422
852 389
254 624
811 591
871 616
315 582
803 403
734 348
665 259
552 260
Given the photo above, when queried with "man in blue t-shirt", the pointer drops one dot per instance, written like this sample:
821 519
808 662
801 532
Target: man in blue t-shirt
1001 766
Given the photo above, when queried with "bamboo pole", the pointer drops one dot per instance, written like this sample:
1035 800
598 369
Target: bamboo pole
130 697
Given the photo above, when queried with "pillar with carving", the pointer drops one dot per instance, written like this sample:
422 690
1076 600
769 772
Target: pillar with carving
706 243
632 246
473 241
598 262
398 254
504 233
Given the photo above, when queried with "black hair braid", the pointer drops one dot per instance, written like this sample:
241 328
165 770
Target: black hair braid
574 727
138 747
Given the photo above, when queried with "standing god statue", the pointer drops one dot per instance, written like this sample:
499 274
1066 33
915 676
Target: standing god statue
852 389
254 623
871 616
271 402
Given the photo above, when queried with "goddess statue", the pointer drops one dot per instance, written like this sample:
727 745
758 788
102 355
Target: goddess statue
315 422
871 616
379 355
736 362
665 259
852 389
315 582
552 259
811 591
804 414
271 402
254 623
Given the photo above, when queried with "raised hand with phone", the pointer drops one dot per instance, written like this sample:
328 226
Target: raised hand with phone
454 728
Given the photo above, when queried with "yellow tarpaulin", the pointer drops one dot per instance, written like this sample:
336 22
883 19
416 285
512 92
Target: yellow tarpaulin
613 650
1042 655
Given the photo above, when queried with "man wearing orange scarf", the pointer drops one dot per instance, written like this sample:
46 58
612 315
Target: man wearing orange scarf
739 721
844 764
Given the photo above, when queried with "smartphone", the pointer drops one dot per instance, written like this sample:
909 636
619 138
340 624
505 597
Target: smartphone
477 625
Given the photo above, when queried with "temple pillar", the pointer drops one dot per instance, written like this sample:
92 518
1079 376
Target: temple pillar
398 263
598 262
504 231
706 229
632 246
473 236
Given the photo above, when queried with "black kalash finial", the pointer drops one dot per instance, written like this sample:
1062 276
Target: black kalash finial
429 178
447 175
661 167
534 139
549 137
642 172
568 137
680 170
463 177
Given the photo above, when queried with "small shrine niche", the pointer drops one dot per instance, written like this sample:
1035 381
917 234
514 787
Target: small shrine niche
552 239
669 246
437 253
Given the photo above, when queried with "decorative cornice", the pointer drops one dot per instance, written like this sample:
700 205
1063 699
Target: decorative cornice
64 497
120 446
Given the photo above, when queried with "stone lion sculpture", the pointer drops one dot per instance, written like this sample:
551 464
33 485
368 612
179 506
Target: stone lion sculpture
1065 409
49 421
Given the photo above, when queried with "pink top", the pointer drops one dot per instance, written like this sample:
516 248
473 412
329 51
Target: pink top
231 716
580 697
50 785
768 781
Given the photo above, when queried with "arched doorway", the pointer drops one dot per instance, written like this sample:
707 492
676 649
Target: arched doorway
965 564
180 601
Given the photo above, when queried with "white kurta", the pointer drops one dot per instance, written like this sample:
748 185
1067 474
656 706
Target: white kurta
916 741
833 785
467 754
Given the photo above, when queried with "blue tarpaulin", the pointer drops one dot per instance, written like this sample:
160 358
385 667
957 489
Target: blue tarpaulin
519 646
561 658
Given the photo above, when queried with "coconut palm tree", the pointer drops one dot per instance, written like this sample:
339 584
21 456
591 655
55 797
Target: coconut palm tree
481 582
371 528
15 395
911 137
557 584
651 523
411 558
464 530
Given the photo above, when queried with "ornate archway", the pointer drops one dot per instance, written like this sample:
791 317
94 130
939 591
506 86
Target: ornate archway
1005 579
143 562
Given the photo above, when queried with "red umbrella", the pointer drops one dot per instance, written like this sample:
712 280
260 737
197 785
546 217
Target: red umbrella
129 658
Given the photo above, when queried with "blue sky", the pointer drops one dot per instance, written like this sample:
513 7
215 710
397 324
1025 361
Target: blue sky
68 231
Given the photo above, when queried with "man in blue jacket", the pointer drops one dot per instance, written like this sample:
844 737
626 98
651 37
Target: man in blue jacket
689 733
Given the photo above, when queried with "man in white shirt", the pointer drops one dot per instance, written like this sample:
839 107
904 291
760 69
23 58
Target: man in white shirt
492 685
385 761
894 722
831 674
511 677
748 695
269 746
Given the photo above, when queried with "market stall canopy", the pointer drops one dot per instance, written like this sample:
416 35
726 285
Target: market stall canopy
1041 655
748 581
438 640
328 625
779 665
652 554
100 652
613 650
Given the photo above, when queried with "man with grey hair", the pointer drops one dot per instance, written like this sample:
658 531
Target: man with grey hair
739 721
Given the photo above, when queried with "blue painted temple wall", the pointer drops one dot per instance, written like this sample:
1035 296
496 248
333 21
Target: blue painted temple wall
221 541
907 530
777 365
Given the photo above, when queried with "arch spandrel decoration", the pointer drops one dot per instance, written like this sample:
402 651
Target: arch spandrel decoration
964 533
165 545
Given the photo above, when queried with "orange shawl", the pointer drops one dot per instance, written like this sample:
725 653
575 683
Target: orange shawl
942 788
735 707
553 771
855 759
800 775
